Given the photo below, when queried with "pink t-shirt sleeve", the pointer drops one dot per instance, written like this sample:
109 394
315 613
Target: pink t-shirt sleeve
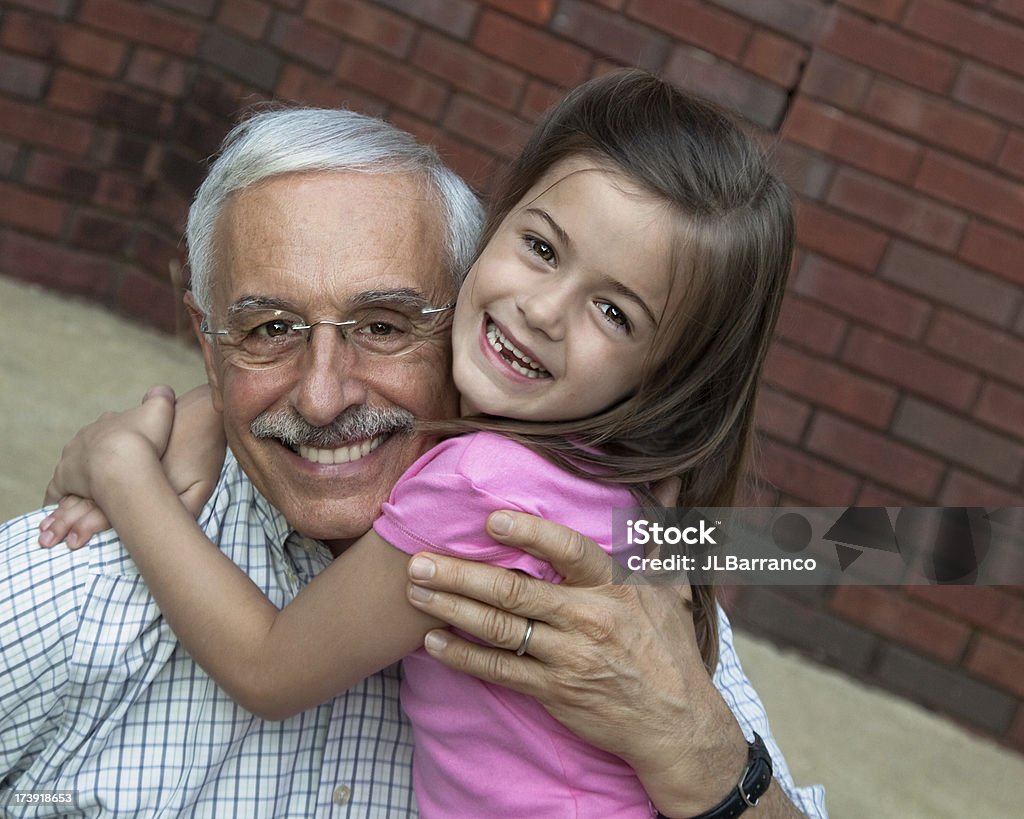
442 502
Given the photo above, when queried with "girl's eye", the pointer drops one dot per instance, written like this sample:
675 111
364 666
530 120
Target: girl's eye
614 315
540 248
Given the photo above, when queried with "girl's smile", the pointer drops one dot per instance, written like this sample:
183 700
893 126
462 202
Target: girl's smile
562 306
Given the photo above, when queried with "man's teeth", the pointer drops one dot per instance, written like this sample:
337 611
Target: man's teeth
522 363
341 455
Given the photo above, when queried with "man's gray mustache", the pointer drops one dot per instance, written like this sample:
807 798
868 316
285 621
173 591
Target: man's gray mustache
355 424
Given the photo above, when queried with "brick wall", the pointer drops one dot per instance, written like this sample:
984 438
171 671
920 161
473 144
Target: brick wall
898 375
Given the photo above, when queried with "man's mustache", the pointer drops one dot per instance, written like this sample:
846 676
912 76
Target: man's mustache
355 424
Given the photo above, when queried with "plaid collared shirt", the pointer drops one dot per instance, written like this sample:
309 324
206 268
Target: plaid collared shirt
97 696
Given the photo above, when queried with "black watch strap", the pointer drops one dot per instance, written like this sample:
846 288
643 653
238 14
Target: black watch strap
752 785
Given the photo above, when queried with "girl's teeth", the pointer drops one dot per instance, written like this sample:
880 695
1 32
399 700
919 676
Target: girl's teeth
500 343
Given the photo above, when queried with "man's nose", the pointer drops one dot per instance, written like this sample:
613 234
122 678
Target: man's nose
330 376
545 310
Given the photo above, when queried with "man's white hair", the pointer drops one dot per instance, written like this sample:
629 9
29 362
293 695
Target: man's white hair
294 140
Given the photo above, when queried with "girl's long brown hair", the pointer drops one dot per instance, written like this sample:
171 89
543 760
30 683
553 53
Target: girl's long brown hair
692 415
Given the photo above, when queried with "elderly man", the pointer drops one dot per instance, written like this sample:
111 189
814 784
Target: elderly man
324 215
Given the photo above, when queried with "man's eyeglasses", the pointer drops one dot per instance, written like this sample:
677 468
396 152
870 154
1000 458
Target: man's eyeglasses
260 339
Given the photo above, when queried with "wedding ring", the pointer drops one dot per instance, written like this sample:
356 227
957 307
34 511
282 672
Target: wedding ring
525 644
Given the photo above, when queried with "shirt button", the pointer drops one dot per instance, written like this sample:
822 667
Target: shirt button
342 794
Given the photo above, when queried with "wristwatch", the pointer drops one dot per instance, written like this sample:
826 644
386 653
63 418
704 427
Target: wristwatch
752 785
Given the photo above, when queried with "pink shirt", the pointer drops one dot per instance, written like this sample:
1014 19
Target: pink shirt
482 750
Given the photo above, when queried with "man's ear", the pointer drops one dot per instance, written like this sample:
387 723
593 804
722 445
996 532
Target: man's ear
196 316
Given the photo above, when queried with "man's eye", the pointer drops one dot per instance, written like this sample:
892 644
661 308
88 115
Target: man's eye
540 248
273 329
379 328
613 314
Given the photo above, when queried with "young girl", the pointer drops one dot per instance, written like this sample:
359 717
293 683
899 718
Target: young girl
609 335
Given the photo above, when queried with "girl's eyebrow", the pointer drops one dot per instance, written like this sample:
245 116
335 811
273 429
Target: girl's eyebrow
632 295
559 232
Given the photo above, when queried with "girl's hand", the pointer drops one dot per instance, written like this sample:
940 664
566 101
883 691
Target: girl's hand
102 453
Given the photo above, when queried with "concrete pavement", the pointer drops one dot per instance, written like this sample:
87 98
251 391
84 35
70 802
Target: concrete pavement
64 362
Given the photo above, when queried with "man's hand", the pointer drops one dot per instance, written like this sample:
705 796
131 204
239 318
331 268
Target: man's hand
617 663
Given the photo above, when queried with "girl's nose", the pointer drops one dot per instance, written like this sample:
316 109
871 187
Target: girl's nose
545 311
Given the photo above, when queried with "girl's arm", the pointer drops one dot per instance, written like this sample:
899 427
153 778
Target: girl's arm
192 461
349 622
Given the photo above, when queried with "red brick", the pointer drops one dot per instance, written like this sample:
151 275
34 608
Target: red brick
48 264
1003 408
485 126
611 35
810 326
863 298
800 19
968 31
1012 157
697 23
1011 8
119 192
82 48
456 17
8 157
990 350
805 477
478 168
994 249
146 299
989 607
852 140
36 126
367 23
992 92
889 51
761 102
535 52
775 58
874 455
305 41
248 17
392 81
836 81
873 495
805 171
301 85
999 662
29 34
938 277
539 97
72 180
31 211
143 25
469 71
890 10
964 489
537 12
886 612
830 385
100 234
929 119
959 440
833 234
158 72
57 8
897 209
970 187
110 104
23 76
911 368
781 415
